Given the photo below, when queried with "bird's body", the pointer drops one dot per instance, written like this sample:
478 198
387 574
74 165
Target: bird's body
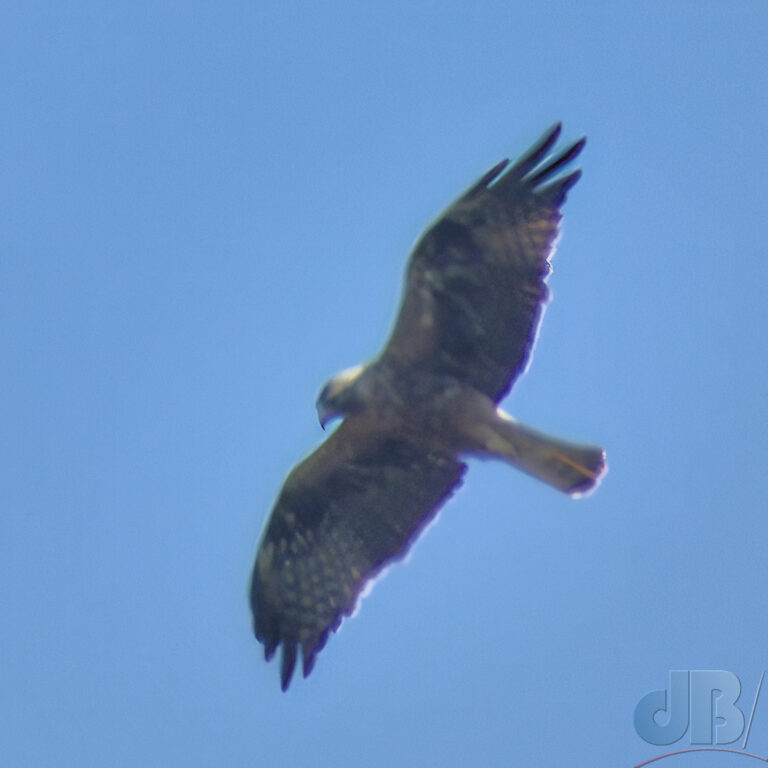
475 291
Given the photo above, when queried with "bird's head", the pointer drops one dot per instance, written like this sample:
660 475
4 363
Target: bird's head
341 395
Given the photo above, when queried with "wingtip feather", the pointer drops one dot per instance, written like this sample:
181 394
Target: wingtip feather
559 162
309 664
269 651
535 154
289 662
483 182
556 192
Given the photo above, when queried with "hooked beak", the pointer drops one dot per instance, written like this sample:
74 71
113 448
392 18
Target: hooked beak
324 414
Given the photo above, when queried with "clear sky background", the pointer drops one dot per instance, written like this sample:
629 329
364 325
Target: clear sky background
206 211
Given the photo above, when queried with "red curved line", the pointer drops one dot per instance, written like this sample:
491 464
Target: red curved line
703 749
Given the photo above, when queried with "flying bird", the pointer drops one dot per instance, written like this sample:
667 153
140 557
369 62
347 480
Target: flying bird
475 289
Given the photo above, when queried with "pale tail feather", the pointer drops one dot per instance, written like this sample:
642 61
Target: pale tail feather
570 467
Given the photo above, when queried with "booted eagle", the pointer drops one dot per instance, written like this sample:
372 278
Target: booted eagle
475 289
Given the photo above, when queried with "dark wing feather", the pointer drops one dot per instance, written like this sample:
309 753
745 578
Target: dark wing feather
476 282
343 514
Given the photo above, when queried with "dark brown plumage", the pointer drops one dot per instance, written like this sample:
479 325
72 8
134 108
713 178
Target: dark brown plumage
483 266
474 293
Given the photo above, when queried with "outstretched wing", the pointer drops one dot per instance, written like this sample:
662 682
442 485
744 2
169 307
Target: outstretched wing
356 504
475 287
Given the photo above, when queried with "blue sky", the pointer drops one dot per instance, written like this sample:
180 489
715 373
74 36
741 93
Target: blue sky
206 210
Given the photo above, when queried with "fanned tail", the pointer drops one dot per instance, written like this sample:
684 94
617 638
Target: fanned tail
573 468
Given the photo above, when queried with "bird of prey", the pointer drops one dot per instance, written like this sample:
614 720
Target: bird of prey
475 289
